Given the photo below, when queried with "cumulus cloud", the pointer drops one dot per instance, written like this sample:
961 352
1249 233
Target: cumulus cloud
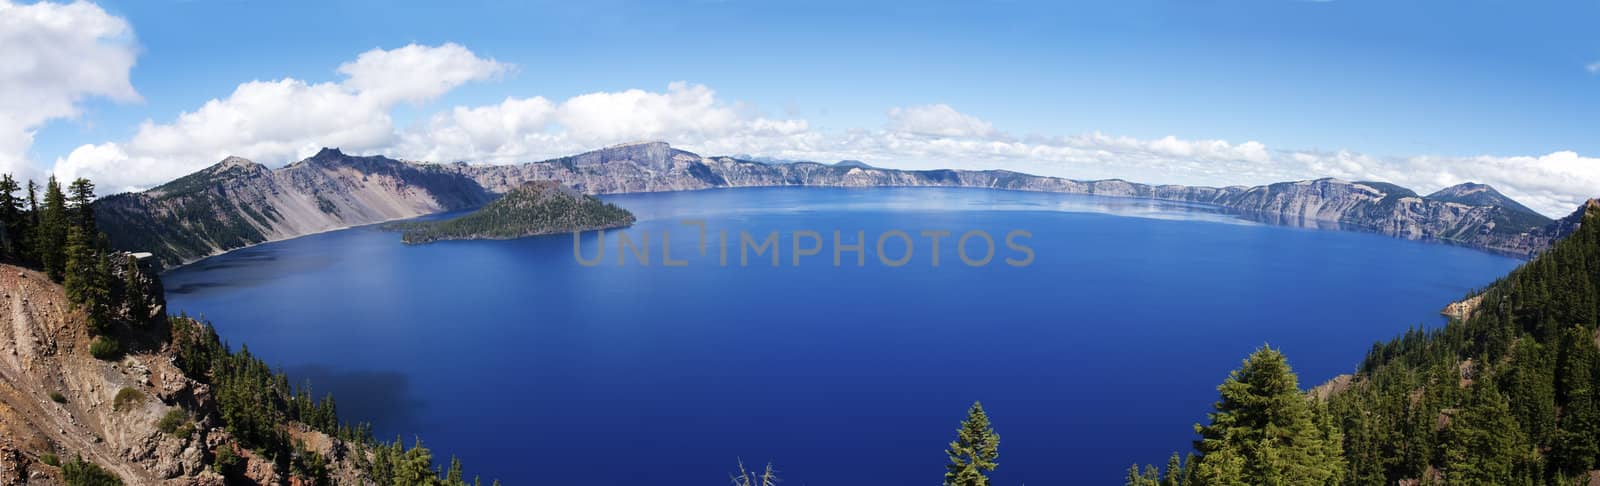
521 129
938 120
938 136
416 73
281 120
55 56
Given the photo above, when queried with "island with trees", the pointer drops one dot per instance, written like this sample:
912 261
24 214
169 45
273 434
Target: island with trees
531 209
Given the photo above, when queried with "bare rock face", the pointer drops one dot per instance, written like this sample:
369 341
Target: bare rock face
261 470
1462 310
238 203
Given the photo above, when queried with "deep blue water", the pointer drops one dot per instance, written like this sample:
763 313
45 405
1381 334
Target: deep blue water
1104 351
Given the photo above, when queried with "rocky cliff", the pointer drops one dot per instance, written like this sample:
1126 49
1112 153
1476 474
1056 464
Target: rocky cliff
238 203
58 403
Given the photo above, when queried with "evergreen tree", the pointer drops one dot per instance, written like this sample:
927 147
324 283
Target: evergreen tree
1482 444
1577 441
453 476
51 242
1174 475
87 279
415 467
81 196
1150 477
30 223
11 223
749 477
974 452
1265 431
135 295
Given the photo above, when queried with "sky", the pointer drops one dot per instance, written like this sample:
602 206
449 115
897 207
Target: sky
1425 94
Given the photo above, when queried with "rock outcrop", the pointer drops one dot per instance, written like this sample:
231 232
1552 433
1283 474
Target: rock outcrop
237 203
57 402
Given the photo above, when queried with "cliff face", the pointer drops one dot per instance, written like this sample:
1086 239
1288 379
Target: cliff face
57 400
238 203
1498 224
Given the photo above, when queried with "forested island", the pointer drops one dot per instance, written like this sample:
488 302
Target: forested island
532 209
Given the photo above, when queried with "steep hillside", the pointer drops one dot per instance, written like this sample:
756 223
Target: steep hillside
535 208
1512 217
176 407
1506 393
57 402
1474 194
237 203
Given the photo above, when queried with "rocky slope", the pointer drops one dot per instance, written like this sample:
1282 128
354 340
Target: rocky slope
108 411
237 203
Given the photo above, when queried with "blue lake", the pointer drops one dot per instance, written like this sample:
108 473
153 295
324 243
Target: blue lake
1104 351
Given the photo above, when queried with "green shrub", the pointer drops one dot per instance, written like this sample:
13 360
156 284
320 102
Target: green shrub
175 422
227 460
50 459
83 473
105 348
58 397
126 398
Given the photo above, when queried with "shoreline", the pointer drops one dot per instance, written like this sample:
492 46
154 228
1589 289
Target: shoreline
1256 217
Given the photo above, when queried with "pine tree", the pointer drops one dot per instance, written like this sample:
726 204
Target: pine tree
453 475
1174 475
86 280
750 477
81 198
11 223
1577 441
1264 430
974 452
135 295
51 242
1482 444
415 467
1150 477
32 221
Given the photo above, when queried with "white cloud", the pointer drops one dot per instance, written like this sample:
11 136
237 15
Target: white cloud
938 136
417 73
278 121
55 56
522 129
938 120
1593 67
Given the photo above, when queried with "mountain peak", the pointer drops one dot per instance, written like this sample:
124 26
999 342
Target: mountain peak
235 161
327 152
1475 194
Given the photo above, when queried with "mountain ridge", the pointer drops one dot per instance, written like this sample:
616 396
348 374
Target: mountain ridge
234 203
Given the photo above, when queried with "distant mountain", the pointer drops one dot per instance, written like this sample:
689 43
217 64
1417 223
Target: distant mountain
1474 194
535 208
777 161
237 203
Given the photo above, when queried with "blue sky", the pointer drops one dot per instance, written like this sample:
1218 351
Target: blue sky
1390 84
